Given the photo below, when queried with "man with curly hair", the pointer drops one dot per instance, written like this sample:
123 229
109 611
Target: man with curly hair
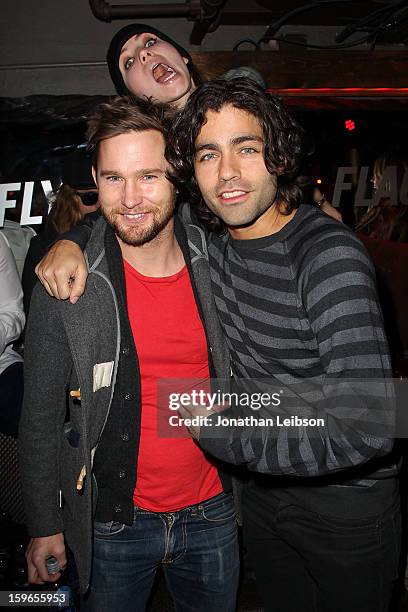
296 297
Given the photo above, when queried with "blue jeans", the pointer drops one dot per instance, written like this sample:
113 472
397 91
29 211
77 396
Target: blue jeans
197 548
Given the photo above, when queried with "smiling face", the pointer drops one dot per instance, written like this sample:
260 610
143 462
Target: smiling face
135 196
152 67
231 173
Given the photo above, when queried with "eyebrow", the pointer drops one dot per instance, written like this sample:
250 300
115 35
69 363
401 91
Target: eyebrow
139 173
234 141
124 49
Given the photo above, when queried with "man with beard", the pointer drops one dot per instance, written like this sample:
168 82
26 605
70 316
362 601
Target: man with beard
95 472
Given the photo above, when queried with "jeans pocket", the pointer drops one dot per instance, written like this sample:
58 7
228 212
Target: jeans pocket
352 525
109 529
218 510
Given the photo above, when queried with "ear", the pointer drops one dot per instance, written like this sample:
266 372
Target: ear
94 175
185 60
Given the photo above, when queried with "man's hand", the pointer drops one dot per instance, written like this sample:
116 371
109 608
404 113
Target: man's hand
63 271
191 411
37 552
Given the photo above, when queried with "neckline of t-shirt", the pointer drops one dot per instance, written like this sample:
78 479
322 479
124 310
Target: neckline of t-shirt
259 243
155 279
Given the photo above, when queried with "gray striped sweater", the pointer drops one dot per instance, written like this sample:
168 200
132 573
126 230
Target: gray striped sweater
301 315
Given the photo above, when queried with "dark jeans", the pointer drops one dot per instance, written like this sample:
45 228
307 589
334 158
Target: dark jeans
197 548
11 398
318 563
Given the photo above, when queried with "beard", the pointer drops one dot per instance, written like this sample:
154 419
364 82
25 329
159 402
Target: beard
137 236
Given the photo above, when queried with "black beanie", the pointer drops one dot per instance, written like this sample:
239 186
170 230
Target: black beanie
119 40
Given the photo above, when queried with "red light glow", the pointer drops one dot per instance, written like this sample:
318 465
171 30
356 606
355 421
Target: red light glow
341 92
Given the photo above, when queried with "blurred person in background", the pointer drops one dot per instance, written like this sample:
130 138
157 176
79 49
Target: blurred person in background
76 197
387 218
18 236
11 325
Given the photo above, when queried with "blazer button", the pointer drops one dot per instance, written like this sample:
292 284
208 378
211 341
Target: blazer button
125 350
122 473
128 397
118 508
125 437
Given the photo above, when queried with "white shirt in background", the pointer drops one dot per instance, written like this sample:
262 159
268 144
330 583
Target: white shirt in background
19 238
12 316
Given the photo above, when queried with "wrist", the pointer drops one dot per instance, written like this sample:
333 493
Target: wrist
321 201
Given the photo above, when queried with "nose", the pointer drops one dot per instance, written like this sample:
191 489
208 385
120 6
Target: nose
145 55
132 195
228 168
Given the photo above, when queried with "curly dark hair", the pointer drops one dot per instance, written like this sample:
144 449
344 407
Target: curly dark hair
284 141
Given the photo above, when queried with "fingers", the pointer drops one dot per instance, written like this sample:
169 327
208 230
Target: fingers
40 573
63 271
54 285
33 563
43 279
193 430
57 281
77 284
36 554
185 414
219 407
33 576
62 559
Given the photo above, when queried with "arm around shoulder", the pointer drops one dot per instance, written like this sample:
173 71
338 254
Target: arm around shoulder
63 271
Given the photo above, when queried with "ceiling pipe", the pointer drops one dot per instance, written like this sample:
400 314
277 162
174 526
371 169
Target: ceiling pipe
106 12
209 20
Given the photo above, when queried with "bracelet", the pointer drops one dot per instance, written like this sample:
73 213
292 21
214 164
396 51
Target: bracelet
320 202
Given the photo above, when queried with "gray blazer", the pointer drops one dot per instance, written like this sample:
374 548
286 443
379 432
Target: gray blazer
77 347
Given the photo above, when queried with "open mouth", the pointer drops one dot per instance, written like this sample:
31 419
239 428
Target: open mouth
162 73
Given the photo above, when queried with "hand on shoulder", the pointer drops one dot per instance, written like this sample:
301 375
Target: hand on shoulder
63 271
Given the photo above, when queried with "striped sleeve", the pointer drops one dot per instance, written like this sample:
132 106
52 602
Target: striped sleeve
337 291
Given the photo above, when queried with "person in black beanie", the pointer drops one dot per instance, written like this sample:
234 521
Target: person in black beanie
147 63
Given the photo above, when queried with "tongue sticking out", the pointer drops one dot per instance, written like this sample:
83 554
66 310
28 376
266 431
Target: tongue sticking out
162 73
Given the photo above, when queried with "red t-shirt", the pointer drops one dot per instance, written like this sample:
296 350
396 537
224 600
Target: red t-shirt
172 473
